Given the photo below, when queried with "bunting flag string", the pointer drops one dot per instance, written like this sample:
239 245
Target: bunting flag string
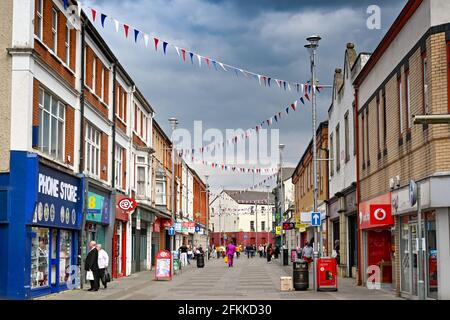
248 133
263 80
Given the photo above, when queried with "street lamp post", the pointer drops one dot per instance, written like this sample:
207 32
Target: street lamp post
207 213
281 199
173 122
312 47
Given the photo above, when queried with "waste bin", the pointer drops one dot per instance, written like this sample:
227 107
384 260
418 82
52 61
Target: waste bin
285 257
300 275
200 260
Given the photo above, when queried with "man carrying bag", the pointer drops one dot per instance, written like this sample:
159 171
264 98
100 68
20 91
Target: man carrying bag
103 261
91 267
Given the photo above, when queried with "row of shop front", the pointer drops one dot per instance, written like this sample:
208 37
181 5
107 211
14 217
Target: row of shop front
383 234
44 219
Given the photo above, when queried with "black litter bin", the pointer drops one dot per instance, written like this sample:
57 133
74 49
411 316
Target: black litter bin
200 261
285 257
300 275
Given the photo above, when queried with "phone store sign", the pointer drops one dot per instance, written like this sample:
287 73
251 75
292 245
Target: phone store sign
59 199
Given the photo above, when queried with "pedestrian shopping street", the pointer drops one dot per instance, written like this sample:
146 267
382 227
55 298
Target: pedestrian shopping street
249 279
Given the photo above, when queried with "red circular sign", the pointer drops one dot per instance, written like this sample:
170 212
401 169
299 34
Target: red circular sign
127 204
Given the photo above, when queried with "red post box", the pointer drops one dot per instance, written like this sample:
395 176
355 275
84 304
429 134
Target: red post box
326 274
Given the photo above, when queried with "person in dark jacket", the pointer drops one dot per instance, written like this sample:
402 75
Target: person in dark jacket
91 264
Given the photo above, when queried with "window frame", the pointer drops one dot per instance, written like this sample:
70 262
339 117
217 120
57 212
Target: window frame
347 136
54 30
338 147
40 17
400 106
408 100
61 120
118 165
141 165
92 145
425 84
332 154
94 72
67 46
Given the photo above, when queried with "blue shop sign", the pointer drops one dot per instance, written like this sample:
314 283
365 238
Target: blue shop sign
98 208
59 200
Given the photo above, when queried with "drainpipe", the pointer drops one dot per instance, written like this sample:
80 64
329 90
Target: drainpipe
81 153
358 186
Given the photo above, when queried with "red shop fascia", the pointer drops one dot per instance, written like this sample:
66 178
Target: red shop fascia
119 241
376 220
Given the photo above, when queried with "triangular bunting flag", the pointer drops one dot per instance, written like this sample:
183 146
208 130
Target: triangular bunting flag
287 110
259 79
192 57
276 119
214 64
302 101
199 58
116 23
284 84
183 54
294 106
223 67
268 81
126 27
136 33
94 14
306 96
207 61
146 40
165 47
102 19
178 50
156 41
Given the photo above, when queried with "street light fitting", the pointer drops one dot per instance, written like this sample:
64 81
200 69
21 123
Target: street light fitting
314 40
281 146
173 122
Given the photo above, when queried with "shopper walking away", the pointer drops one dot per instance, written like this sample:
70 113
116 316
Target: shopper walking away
276 252
253 250
230 250
336 251
103 262
260 251
91 264
184 255
269 253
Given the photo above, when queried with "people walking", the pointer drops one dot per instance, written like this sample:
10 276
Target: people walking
248 249
230 250
103 262
269 253
276 252
91 265
307 252
260 250
184 255
253 250
336 251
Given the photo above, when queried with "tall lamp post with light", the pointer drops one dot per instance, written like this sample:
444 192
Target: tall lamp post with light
207 213
173 123
281 199
312 45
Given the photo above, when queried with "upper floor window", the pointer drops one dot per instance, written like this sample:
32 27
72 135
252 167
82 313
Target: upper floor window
384 110
331 154
39 18
252 225
408 99
67 45
141 180
118 163
51 125
338 148
263 226
426 107
54 30
400 105
94 72
347 138
92 160
102 93
161 192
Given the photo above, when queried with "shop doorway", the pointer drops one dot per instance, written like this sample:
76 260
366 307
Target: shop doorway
379 253
352 245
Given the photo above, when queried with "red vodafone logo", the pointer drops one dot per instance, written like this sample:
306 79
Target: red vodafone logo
381 215
127 204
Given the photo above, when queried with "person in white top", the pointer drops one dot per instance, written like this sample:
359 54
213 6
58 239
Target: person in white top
103 262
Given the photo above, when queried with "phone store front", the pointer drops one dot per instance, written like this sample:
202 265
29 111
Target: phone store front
378 241
54 232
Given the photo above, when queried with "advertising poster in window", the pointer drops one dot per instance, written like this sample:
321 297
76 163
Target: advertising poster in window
97 208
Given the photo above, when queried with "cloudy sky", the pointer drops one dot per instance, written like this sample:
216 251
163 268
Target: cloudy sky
263 36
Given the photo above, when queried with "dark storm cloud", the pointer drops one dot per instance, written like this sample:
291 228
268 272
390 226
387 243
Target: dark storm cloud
263 36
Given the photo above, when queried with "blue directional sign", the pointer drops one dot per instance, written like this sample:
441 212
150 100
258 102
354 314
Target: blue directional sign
315 219
171 231
197 228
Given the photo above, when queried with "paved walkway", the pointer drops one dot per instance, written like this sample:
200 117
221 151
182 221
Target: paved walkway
253 279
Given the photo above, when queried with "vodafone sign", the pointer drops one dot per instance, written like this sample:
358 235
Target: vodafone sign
376 215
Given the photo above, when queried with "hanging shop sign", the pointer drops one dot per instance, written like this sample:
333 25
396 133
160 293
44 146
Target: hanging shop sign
98 208
127 204
278 230
59 199
121 214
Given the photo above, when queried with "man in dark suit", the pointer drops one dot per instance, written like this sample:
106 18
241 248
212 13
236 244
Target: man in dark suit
91 264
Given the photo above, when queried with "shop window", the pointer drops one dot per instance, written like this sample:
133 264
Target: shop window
65 253
92 162
40 257
51 125
431 261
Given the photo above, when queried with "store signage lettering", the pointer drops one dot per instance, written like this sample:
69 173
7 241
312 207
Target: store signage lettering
52 187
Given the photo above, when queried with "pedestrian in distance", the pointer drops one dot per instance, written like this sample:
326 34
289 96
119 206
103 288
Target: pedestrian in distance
269 253
253 251
260 250
184 255
247 251
336 251
103 262
276 252
230 250
91 264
